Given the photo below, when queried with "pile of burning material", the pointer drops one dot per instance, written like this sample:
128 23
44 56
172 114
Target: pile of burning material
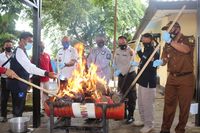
83 94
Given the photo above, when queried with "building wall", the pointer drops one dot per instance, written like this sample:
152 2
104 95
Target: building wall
188 22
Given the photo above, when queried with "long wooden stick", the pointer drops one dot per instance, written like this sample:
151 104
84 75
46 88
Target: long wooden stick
37 87
115 34
152 55
130 66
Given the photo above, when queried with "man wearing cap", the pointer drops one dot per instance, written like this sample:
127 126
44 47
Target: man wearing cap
125 70
178 55
101 57
66 58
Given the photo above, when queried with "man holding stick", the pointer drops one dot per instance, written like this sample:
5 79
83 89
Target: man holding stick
178 55
124 69
147 83
22 66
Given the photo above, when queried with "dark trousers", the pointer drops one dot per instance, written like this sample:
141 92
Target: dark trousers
18 102
123 84
178 90
4 97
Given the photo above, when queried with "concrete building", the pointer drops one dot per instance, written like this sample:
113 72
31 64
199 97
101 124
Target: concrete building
158 14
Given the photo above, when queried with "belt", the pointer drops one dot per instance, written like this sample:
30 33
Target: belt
180 74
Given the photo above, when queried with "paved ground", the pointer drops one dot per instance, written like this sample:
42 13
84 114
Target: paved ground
114 126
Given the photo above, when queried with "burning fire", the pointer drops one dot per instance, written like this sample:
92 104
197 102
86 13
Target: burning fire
84 82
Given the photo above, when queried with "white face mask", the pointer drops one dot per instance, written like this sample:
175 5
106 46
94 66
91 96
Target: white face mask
28 46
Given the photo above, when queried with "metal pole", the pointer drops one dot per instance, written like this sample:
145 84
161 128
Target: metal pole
197 117
36 42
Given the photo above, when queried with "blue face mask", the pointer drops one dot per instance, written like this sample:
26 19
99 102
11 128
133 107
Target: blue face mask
65 45
28 46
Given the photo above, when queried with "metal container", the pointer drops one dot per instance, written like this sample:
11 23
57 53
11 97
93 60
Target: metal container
19 124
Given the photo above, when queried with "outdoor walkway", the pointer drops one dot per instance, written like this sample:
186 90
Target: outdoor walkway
114 126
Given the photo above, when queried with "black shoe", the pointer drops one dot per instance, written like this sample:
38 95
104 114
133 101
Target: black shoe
90 120
41 114
4 119
164 131
130 120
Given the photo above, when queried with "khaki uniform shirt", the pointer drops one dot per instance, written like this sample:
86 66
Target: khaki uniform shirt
122 60
179 62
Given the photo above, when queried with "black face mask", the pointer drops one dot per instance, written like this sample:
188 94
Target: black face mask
41 50
8 49
174 34
123 47
146 45
100 45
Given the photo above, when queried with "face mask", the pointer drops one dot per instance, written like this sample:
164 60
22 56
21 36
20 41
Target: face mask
65 45
174 33
100 45
147 45
123 47
41 50
28 46
8 49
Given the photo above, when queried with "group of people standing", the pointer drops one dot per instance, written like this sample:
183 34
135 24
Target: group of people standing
177 54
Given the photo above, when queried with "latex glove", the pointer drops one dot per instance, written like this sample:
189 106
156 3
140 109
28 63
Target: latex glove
157 63
139 48
133 63
166 37
117 72
61 65
114 66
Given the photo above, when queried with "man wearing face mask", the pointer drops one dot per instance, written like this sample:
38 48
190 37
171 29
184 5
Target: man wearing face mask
22 66
101 57
147 83
8 45
45 64
66 58
178 55
123 60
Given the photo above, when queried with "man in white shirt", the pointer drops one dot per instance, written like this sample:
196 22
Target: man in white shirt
66 58
8 45
101 57
22 66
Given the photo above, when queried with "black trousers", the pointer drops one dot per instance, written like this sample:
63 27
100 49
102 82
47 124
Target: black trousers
18 102
4 97
123 84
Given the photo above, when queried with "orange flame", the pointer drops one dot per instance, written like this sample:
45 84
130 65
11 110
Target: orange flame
84 81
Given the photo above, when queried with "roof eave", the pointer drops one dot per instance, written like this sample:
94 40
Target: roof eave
162 5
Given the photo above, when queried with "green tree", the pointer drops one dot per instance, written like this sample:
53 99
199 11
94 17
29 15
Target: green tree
9 13
84 19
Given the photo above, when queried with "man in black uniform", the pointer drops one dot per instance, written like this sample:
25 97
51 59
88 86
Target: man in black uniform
147 83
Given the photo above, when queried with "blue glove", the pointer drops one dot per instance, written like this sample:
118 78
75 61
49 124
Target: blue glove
117 72
166 37
133 63
139 48
157 63
114 66
62 77
61 65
